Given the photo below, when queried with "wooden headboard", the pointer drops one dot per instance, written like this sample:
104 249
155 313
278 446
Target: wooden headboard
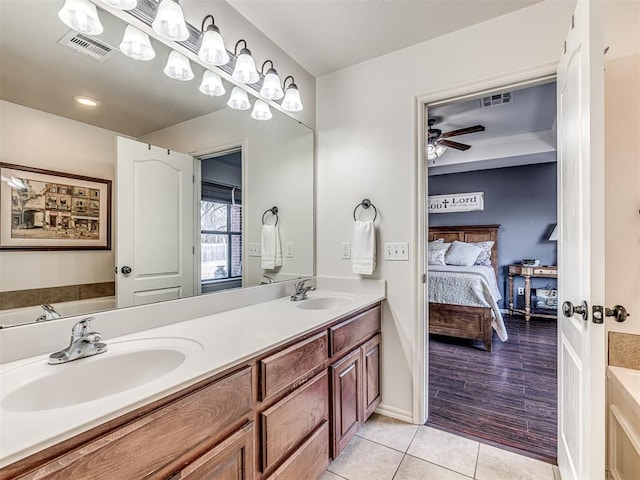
469 233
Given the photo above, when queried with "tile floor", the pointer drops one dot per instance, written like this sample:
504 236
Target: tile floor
388 449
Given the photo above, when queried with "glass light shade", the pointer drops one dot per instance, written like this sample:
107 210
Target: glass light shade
245 69
136 44
212 50
261 111
82 16
212 84
239 100
435 151
169 21
122 4
178 67
271 89
292 101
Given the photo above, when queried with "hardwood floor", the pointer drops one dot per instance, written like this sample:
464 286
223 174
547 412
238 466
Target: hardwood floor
507 397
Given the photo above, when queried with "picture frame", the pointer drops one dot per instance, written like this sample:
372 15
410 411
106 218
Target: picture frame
47 210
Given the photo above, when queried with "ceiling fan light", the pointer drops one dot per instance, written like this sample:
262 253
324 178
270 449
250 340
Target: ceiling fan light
136 44
261 111
122 4
245 69
82 16
271 89
435 151
212 50
169 21
239 100
178 67
292 101
212 84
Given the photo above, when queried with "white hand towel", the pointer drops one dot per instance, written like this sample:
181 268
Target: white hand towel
364 248
271 249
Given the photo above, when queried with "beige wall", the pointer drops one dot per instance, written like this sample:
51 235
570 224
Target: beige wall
37 139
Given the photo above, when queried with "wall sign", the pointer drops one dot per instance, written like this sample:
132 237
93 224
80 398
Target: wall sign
456 202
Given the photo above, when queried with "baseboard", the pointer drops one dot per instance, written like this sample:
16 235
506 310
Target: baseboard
396 413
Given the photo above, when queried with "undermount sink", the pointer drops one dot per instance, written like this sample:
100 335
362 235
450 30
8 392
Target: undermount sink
124 366
322 303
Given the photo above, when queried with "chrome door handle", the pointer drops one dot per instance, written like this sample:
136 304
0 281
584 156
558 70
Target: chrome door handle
618 312
569 310
125 270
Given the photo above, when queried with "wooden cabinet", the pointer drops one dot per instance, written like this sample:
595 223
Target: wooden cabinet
370 376
308 461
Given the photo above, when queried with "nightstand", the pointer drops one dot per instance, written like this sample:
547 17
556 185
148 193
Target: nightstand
528 273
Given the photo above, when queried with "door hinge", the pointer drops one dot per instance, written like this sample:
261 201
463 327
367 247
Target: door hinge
565 46
193 179
424 278
193 250
573 21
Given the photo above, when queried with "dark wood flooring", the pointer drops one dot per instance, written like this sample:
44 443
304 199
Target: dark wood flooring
507 397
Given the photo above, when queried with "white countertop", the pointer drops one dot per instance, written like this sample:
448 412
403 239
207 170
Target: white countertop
214 343
627 381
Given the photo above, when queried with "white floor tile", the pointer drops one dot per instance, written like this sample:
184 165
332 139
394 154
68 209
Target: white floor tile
413 468
444 449
497 464
388 431
327 475
365 460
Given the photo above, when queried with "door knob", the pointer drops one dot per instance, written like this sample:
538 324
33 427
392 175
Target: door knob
125 270
618 312
569 310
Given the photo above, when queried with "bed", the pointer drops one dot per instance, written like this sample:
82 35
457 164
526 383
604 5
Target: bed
447 315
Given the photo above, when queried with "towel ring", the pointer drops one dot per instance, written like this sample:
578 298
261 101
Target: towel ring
366 203
272 211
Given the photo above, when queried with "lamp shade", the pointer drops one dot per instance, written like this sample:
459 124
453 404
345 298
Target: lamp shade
178 67
212 84
261 111
82 16
292 101
212 50
169 21
122 4
435 151
554 234
245 69
271 89
239 100
136 44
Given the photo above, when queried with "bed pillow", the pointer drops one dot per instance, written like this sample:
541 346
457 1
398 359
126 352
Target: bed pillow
485 255
462 254
438 246
436 257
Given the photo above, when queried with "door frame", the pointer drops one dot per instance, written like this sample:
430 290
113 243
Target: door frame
527 77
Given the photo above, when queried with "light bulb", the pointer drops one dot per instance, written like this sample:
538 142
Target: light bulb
212 50
212 84
261 111
245 69
136 44
82 16
292 101
169 21
271 89
122 4
178 67
239 100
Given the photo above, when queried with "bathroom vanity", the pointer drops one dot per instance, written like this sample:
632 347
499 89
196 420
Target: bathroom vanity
280 412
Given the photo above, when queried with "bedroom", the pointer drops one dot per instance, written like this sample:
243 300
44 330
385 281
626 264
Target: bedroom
495 383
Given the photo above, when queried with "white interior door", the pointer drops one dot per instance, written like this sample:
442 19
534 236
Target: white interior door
154 225
581 343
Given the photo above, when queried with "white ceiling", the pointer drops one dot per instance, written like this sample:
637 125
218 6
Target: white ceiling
327 35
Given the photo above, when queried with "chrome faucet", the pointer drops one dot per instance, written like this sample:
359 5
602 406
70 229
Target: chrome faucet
268 281
49 313
301 291
84 343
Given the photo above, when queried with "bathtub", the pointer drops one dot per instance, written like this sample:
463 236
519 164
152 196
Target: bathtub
623 392
18 316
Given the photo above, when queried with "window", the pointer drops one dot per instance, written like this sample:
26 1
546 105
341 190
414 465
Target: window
221 232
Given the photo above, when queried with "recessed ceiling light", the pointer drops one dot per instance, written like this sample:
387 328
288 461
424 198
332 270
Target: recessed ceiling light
87 101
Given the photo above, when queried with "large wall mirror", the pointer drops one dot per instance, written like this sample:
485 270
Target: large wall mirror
236 170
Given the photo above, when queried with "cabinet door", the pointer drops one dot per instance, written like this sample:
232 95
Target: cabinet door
346 378
233 459
370 376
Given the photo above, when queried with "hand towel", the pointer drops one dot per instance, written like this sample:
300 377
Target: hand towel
271 249
364 248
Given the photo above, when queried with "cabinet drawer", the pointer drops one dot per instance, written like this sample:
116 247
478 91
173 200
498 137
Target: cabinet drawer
544 271
147 444
309 461
346 335
291 366
292 419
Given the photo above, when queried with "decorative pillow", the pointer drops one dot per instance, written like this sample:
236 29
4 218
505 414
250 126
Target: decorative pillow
485 255
438 246
436 257
462 254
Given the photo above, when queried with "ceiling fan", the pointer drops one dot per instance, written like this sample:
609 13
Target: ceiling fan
437 141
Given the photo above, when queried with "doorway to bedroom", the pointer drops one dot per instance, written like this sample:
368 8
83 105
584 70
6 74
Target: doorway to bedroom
492 275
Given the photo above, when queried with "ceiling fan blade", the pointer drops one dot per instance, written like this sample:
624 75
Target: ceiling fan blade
456 145
464 131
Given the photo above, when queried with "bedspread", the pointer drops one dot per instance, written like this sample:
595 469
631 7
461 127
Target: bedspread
474 286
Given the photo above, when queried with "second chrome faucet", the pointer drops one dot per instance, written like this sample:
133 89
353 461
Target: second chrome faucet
84 343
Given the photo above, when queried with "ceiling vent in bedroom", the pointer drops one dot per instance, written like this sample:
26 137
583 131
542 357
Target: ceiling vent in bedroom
498 99
88 46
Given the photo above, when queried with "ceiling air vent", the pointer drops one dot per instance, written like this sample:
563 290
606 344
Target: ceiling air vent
498 99
88 46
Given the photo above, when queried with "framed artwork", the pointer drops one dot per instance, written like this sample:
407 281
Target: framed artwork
47 210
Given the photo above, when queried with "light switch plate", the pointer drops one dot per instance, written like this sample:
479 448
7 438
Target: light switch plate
396 251
289 253
346 250
255 250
